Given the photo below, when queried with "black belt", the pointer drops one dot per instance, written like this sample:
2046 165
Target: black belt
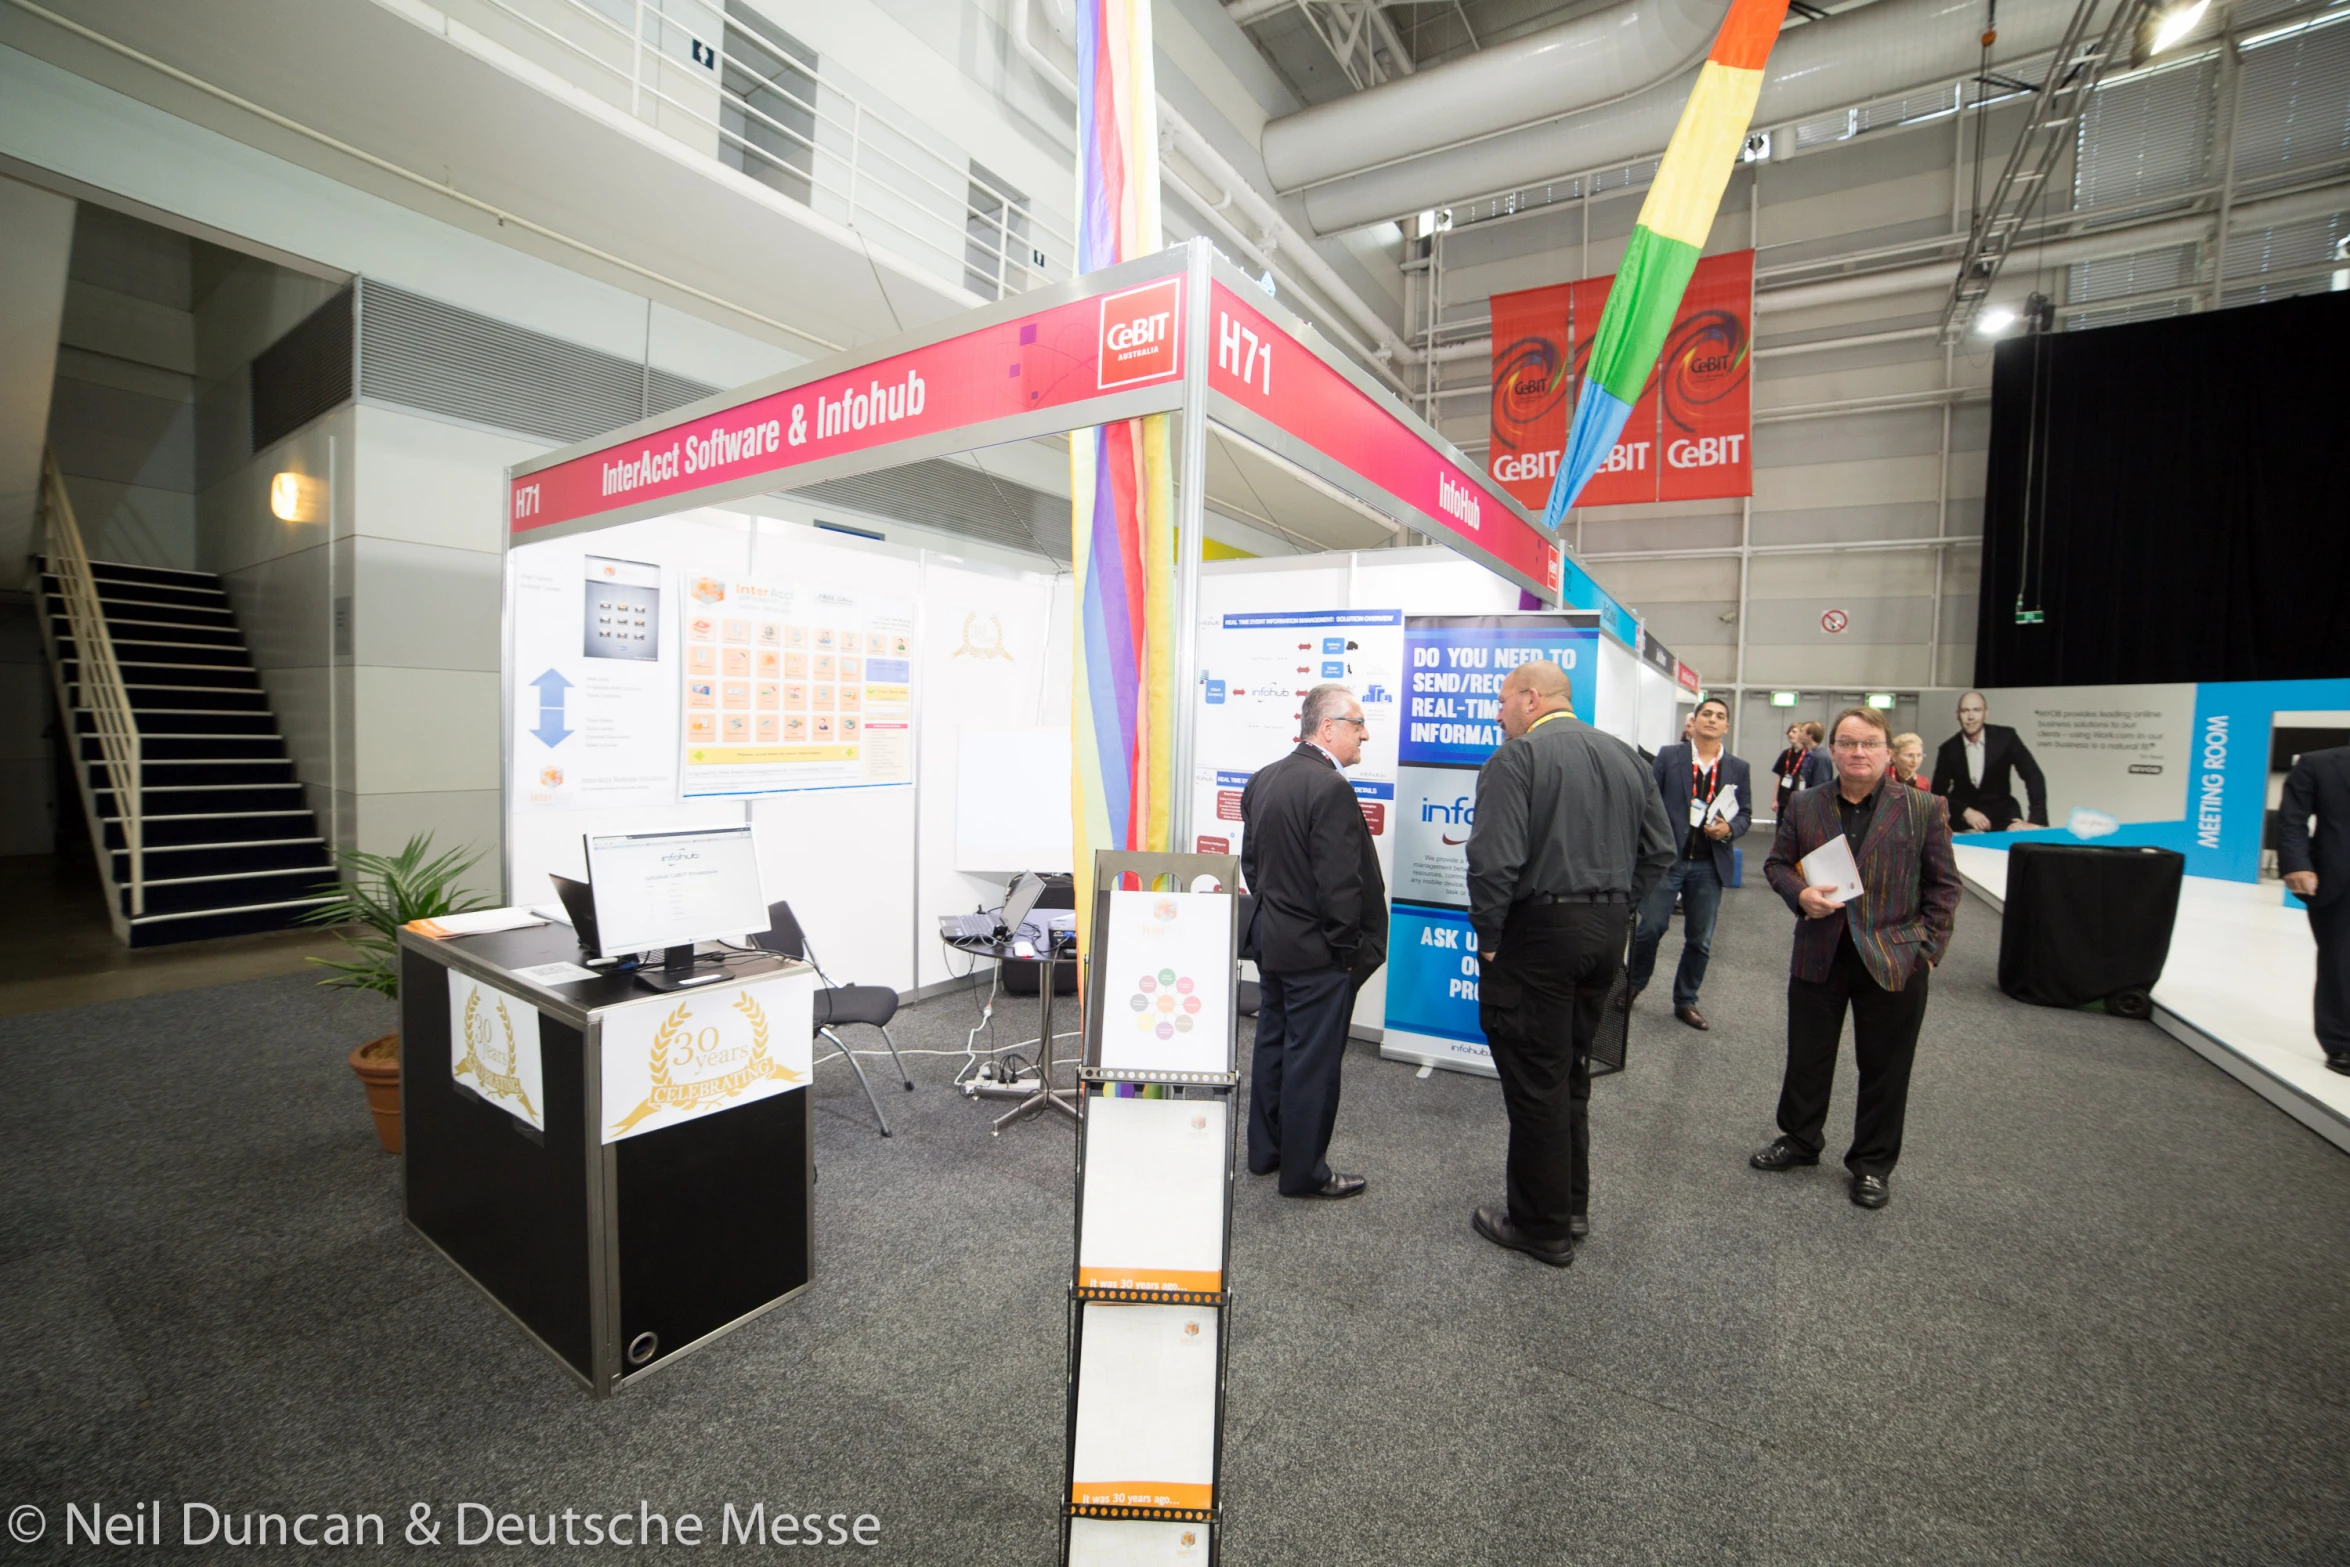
1577 897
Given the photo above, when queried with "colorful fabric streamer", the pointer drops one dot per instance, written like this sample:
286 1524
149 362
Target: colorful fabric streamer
1675 219
1121 480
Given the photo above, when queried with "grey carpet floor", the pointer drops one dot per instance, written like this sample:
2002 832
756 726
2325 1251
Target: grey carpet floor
2106 1319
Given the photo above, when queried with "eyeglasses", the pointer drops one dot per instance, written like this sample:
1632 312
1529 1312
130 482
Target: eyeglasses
1357 722
1860 745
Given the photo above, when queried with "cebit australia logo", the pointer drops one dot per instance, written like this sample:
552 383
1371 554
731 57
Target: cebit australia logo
1141 339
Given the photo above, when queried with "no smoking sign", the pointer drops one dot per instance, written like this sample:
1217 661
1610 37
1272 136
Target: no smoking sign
1834 621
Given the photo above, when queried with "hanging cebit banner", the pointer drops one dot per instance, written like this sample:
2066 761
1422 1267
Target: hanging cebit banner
1690 435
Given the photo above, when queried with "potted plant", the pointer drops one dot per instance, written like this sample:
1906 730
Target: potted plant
375 896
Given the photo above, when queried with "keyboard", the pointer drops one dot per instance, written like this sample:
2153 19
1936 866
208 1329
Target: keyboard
967 927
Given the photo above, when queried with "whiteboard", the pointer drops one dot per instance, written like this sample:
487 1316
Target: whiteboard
1012 801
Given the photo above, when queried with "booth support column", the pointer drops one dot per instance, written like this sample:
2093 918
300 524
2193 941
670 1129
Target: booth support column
1191 515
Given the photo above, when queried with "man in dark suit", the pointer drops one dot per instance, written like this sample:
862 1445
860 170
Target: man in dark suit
1570 836
1976 771
1708 796
2317 868
1870 955
1321 930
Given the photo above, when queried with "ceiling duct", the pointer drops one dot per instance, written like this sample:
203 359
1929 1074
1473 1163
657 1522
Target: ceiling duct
1884 48
1576 65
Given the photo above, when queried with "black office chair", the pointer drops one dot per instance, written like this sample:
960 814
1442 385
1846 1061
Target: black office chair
837 1006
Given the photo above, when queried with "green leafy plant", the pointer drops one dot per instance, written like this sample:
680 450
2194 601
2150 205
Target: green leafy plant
381 893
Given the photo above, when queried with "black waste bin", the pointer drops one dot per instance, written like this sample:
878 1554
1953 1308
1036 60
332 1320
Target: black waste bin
2088 924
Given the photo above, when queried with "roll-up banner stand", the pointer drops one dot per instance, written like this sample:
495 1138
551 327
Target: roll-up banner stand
1453 669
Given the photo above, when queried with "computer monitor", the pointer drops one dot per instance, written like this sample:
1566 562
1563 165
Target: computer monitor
1024 894
669 890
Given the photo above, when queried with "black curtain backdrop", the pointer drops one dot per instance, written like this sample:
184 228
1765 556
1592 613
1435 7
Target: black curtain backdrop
2189 489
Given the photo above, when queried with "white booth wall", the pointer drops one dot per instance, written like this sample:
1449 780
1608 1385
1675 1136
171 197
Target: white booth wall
865 869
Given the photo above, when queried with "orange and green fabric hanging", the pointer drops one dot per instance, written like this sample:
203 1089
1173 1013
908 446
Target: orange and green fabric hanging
1675 219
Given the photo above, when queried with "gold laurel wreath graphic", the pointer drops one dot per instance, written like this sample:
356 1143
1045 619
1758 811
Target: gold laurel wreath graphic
710 1092
497 1085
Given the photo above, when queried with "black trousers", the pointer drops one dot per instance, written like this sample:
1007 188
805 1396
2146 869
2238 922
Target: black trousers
1884 1042
1293 1079
2330 924
1540 1007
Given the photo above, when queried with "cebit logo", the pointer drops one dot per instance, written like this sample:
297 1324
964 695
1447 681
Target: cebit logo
1706 452
1458 502
1139 337
1514 467
1627 457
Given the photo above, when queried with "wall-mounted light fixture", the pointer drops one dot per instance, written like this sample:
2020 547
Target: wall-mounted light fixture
1784 698
296 497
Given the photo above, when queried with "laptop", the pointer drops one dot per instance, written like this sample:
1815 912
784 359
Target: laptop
580 903
1005 922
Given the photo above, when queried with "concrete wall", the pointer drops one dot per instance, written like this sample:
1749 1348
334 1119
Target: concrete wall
34 257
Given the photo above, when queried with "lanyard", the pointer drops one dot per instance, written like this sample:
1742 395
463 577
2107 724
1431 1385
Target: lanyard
1709 777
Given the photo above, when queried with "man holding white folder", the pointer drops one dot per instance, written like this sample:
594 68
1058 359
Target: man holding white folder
1705 790
1870 870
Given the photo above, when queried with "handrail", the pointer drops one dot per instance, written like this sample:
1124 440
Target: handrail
98 677
930 199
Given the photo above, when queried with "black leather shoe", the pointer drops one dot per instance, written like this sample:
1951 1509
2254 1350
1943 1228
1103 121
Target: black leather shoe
1494 1224
1870 1191
1782 1155
1271 1169
1578 1226
2339 1063
1335 1187
1691 1016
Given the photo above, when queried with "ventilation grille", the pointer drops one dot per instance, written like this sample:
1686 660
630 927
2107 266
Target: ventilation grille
304 373
955 499
421 353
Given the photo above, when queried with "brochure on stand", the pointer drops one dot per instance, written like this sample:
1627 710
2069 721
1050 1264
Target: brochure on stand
1146 1407
1136 1542
1155 1171
1167 993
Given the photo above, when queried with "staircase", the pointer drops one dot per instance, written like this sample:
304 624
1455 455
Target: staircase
226 845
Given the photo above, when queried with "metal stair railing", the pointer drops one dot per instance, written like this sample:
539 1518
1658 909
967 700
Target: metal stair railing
98 677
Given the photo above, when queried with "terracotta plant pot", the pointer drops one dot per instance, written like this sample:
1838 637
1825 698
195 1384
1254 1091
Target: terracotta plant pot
378 1064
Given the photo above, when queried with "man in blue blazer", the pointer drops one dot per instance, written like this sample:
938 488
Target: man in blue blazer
1697 780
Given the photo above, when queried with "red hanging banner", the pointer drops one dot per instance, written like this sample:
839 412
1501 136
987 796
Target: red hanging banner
1690 437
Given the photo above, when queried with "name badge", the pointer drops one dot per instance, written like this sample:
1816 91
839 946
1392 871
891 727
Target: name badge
1696 813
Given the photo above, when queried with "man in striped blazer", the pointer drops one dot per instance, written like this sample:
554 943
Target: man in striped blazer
1870 955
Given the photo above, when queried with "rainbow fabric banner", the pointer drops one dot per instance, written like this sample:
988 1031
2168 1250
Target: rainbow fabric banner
1675 219
1121 480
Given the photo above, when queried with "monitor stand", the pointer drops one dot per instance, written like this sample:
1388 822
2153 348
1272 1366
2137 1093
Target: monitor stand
677 971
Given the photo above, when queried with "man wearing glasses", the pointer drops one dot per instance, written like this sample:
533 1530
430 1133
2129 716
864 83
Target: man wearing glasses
1868 953
1320 931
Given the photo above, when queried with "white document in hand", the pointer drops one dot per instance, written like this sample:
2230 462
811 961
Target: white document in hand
1725 806
1831 865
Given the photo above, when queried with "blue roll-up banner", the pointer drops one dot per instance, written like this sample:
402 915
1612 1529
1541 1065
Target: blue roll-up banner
1453 669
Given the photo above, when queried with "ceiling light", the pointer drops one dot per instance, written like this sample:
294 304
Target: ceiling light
1993 322
2175 23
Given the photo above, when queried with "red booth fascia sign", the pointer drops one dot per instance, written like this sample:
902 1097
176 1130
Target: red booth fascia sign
1130 340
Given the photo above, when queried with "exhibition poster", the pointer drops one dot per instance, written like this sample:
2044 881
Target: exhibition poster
1452 702
791 685
1255 670
1167 1000
494 1048
687 1054
594 705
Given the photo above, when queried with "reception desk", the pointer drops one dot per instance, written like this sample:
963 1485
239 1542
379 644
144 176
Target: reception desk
625 1171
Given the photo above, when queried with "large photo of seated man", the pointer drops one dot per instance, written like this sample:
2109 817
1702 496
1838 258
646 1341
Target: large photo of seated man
1977 768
